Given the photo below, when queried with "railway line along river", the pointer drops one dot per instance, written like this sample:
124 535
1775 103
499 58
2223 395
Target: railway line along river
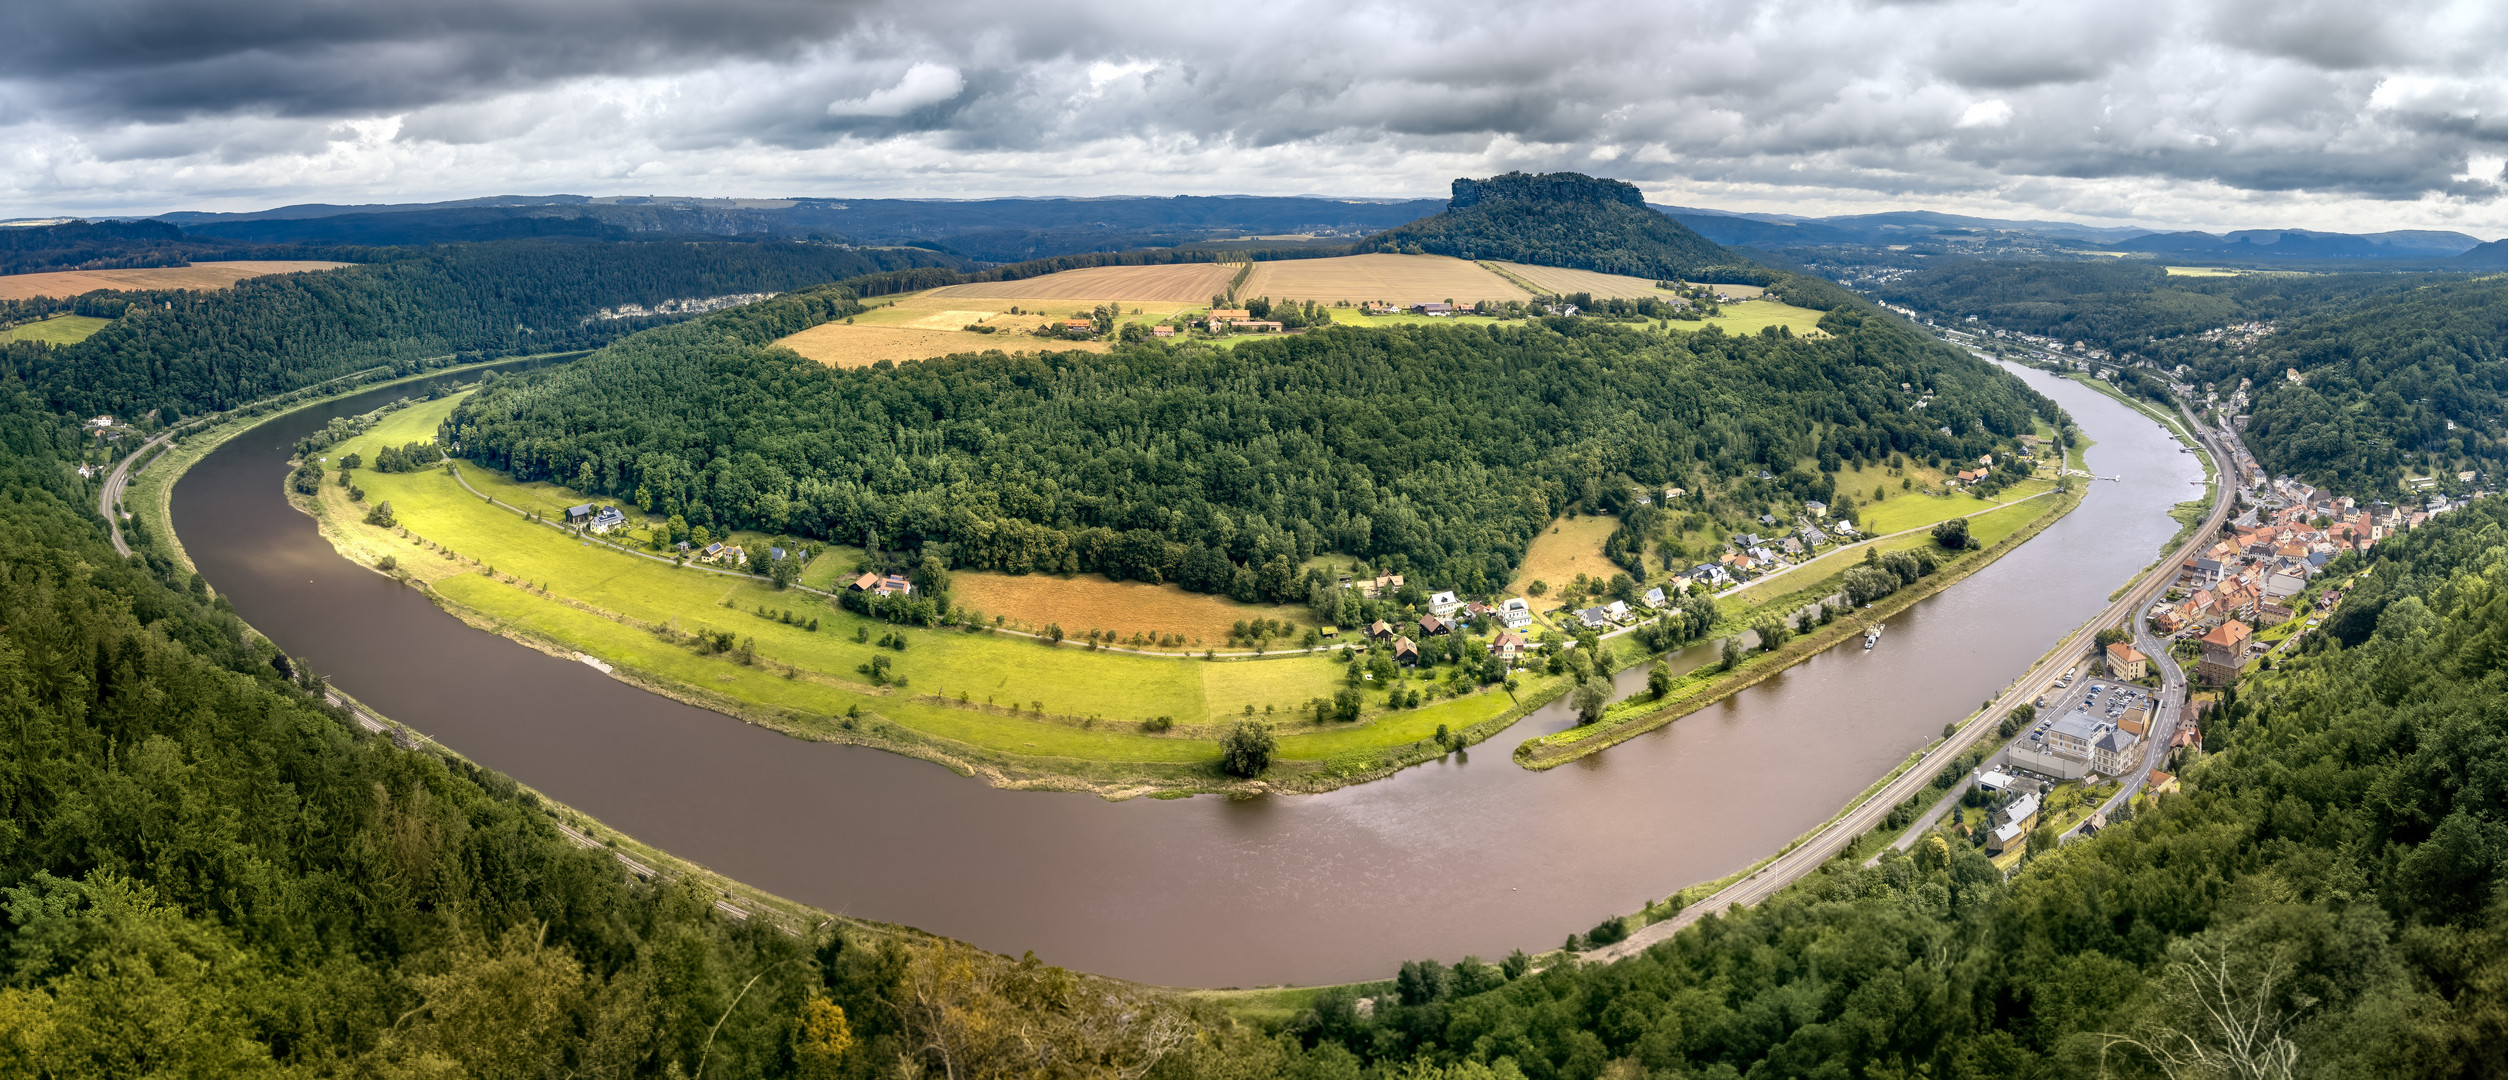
1471 855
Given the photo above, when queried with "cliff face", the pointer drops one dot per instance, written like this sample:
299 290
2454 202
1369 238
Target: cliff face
1519 187
1558 219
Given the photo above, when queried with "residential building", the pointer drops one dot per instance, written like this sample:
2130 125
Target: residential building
1815 508
2224 652
1431 626
1653 597
1507 645
1443 604
1380 630
1405 653
609 518
579 515
2126 662
1516 613
1616 611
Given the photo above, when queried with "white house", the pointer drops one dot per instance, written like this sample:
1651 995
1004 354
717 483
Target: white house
1443 604
1516 613
1654 597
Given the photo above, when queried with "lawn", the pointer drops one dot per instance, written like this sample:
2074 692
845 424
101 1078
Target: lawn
1752 316
981 697
1912 510
57 330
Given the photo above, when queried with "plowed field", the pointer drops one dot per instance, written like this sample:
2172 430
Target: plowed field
1182 283
1562 281
1400 279
206 275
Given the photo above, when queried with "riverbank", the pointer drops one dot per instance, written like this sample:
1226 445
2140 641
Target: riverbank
1707 686
148 497
1010 709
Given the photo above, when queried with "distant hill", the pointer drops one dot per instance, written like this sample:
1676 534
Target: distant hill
2485 257
2304 244
1558 219
990 230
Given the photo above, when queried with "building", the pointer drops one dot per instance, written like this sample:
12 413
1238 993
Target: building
2126 662
1431 626
1516 613
1162 330
2114 752
1997 781
1433 309
1594 618
1380 630
579 515
1815 508
1653 597
2224 652
609 518
1616 611
1507 645
2064 749
1443 604
1405 653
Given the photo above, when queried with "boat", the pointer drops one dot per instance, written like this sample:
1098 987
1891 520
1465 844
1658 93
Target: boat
1872 635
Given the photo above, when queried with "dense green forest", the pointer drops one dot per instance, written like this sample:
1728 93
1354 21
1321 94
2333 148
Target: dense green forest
2399 374
200 351
121 245
1442 450
2409 383
205 871
1565 219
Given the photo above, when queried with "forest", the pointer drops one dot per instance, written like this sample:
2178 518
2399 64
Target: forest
203 351
1566 219
2399 374
1439 451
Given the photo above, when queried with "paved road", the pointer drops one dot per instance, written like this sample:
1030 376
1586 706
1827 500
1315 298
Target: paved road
1825 843
109 499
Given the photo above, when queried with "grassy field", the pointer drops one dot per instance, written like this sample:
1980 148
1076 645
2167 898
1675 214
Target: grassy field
1752 316
1014 709
1399 279
841 346
1571 546
1080 603
1909 510
1182 283
2203 271
1560 280
57 330
204 275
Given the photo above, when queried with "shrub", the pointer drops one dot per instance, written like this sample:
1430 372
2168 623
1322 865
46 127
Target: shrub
1247 750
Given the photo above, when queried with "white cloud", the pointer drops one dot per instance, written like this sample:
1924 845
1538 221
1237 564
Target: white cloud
1994 113
923 85
2210 113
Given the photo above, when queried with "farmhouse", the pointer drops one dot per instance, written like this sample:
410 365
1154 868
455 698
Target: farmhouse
578 515
1380 630
1431 626
1405 653
1433 310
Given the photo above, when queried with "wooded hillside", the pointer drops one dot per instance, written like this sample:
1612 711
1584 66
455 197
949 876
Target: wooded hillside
200 351
1441 449
1560 219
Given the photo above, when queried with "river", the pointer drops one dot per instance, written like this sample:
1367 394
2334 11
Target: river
1470 855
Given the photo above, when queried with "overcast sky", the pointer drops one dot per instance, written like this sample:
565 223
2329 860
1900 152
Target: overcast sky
2228 114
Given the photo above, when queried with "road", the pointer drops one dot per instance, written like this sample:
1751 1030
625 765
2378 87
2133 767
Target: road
110 498
1829 840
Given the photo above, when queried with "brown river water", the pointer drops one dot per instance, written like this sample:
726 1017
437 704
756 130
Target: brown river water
1470 855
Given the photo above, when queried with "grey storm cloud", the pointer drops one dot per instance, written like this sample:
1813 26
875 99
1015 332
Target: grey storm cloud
2117 106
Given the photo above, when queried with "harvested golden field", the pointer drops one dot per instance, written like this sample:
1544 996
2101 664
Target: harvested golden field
1562 281
1570 546
205 275
1087 602
840 345
1399 279
1182 283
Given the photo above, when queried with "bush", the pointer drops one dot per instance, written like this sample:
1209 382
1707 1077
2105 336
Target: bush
1158 724
381 515
1247 750
1953 535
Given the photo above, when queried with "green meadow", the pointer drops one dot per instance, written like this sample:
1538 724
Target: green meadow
57 330
1012 706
